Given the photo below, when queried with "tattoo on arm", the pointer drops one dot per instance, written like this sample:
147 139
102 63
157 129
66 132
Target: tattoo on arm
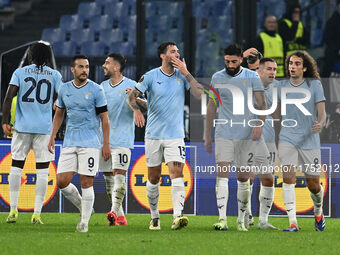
177 164
142 103
132 99
189 77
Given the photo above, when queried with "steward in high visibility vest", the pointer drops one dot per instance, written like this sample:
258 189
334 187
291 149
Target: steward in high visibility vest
270 44
292 31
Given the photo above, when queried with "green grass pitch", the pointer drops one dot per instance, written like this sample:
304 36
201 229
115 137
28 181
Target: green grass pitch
57 236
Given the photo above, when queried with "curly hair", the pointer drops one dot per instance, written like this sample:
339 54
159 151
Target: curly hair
40 54
308 62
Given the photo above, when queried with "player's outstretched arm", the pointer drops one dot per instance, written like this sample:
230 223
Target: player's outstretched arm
317 126
261 104
106 151
6 108
138 115
196 89
57 121
211 112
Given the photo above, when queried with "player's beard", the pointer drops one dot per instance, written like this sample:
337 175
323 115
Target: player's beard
81 79
232 72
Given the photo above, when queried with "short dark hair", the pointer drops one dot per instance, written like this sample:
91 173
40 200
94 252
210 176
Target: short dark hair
120 59
78 56
39 53
233 50
163 47
264 60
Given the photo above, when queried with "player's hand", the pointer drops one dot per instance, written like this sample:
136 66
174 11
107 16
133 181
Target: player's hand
8 129
139 118
316 127
250 51
51 145
180 65
128 90
256 133
208 145
106 151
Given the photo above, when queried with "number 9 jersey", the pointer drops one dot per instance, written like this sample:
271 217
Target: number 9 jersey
35 98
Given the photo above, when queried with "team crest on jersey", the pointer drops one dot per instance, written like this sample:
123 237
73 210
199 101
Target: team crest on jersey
178 80
120 92
87 94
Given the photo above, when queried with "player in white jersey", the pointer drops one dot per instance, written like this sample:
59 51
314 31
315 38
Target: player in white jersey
299 140
122 132
35 85
83 101
165 89
235 138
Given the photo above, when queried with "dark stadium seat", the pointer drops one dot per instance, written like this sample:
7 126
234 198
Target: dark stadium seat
88 10
100 22
174 35
53 35
94 48
126 48
5 3
129 23
82 35
68 48
115 10
111 35
70 22
163 23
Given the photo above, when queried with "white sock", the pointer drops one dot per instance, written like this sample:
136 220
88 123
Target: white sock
249 199
86 203
222 195
72 194
118 193
242 199
14 186
152 192
288 193
178 196
40 189
109 181
266 198
318 201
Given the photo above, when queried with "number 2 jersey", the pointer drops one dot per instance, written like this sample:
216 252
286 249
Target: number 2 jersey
35 98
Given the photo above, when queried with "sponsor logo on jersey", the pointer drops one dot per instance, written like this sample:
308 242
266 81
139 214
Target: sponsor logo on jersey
139 177
28 181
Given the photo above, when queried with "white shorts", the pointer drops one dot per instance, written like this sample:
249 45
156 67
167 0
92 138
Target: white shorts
306 161
23 142
240 152
84 161
273 154
262 158
158 151
120 159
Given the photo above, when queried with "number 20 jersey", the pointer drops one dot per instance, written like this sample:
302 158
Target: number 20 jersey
35 97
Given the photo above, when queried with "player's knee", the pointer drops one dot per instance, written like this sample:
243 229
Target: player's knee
119 171
18 163
154 179
61 183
